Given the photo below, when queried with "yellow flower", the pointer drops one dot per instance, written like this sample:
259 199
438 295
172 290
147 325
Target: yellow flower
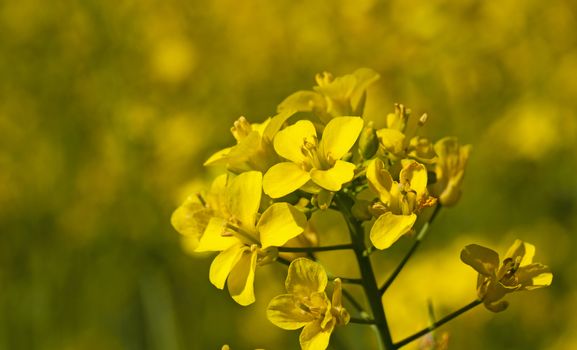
241 236
314 164
450 170
307 305
517 272
399 201
333 97
253 150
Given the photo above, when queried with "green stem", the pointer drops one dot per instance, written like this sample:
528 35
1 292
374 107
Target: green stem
361 320
437 324
314 249
369 282
411 251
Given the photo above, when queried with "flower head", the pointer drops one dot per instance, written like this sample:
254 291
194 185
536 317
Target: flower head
515 273
316 164
399 201
242 236
307 305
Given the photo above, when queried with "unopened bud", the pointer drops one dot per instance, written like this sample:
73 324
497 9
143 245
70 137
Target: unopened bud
368 142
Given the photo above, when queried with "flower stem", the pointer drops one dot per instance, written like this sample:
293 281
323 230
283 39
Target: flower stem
361 320
411 251
437 324
314 249
369 282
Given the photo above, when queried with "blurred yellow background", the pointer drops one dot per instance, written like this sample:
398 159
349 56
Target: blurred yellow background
109 108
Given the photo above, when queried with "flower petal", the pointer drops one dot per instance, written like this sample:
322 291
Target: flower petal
241 279
277 122
339 136
484 260
283 311
415 174
392 140
380 180
223 264
313 337
334 178
284 178
218 158
534 276
521 249
305 277
288 142
243 197
389 228
215 238
279 223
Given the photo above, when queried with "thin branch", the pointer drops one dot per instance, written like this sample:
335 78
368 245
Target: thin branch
361 320
437 324
411 251
314 249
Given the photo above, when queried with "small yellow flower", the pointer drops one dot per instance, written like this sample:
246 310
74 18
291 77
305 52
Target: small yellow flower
517 272
333 97
314 164
399 201
243 239
450 170
307 305
254 150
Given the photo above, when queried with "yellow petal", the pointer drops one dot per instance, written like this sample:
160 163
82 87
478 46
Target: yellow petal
276 123
484 260
416 175
521 249
241 279
243 197
302 101
284 312
389 228
284 178
313 337
186 219
334 178
339 136
305 277
218 158
223 264
279 223
215 237
534 276
364 78
216 198
288 142
380 180
392 140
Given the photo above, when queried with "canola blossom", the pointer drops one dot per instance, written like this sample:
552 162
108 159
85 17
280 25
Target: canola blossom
517 272
320 154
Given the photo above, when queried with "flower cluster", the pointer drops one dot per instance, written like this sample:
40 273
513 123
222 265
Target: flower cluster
319 152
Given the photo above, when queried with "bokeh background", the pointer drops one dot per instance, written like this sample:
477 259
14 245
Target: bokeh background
109 108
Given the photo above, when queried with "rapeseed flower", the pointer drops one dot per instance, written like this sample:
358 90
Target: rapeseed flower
307 305
242 236
313 165
450 170
516 272
398 201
